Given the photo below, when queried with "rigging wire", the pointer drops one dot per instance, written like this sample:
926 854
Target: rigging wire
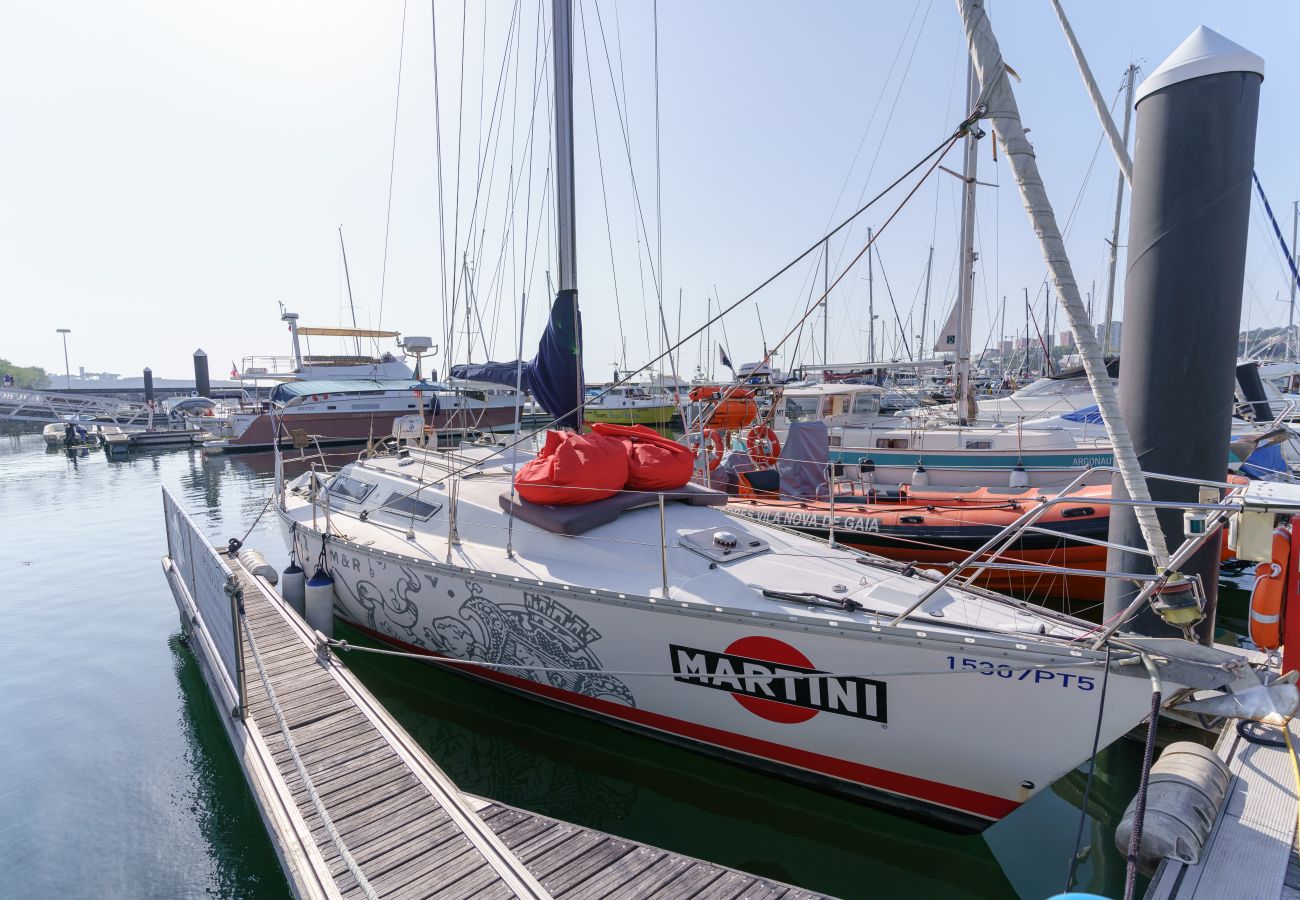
600 165
934 157
392 169
442 217
907 344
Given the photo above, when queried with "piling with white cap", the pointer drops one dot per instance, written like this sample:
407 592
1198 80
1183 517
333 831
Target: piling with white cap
1195 151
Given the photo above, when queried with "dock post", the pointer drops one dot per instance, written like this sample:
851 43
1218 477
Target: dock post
1195 151
236 594
148 392
202 384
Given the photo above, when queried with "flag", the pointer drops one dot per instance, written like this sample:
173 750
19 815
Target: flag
234 373
722 357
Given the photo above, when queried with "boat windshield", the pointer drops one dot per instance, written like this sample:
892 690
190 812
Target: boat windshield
800 409
866 403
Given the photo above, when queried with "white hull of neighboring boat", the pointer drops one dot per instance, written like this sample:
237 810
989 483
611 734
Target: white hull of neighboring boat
966 742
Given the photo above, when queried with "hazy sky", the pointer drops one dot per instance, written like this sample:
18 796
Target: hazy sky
172 170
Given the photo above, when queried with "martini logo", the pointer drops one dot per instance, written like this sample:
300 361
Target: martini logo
757 672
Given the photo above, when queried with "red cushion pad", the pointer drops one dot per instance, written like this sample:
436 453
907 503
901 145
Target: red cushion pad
574 468
655 463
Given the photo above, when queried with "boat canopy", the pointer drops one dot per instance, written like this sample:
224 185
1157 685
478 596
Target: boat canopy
307 331
283 393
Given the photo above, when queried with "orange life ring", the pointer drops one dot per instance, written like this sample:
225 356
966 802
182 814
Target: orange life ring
763 445
1270 589
711 440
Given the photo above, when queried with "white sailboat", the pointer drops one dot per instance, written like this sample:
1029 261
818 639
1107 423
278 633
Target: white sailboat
666 615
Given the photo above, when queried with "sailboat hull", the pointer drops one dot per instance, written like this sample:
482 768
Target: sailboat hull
920 725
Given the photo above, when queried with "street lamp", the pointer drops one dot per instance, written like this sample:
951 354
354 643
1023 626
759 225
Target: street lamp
67 370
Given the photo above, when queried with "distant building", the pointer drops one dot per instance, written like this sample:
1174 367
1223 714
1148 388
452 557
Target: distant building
1006 346
1067 339
1115 329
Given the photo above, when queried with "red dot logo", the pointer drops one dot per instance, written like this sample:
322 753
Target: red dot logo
771 650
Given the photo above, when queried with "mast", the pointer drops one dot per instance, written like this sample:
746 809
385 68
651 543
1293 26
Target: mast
1046 336
826 301
925 302
348 278
871 303
1026 332
562 22
1130 77
962 395
1290 331
565 234
1002 340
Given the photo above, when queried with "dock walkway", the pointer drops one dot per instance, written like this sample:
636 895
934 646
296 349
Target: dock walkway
399 826
1251 851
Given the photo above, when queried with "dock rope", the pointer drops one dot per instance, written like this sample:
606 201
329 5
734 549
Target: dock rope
1092 771
1295 770
316 801
1140 801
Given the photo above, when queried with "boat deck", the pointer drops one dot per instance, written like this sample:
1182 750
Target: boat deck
409 831
1252 850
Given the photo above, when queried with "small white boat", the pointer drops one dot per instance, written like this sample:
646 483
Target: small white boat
893 450
83 434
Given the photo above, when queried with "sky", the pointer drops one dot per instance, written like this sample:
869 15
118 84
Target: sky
173 171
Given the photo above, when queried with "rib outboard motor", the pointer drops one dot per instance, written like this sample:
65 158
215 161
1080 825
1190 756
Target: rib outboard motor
1251 387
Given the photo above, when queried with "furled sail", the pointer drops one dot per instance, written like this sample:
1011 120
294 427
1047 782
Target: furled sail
554 375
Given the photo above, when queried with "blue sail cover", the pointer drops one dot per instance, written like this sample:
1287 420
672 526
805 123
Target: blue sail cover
1090 415
554 375
1265 462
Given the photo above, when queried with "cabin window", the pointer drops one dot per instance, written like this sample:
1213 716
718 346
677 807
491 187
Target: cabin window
349 488
866 404
797 409
838 405
409 505
891 443
331 407
979 445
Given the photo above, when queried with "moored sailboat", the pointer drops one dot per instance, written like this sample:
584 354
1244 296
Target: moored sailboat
656 610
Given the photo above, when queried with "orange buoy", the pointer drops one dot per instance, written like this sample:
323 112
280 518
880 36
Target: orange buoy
763 445
1270 589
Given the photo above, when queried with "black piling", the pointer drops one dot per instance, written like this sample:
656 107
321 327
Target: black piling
202 384
1252 388
148 385
1195 150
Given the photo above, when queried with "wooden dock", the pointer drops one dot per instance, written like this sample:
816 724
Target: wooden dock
354 807
1252 849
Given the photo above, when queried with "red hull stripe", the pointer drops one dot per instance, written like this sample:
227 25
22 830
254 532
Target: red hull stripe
983 805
